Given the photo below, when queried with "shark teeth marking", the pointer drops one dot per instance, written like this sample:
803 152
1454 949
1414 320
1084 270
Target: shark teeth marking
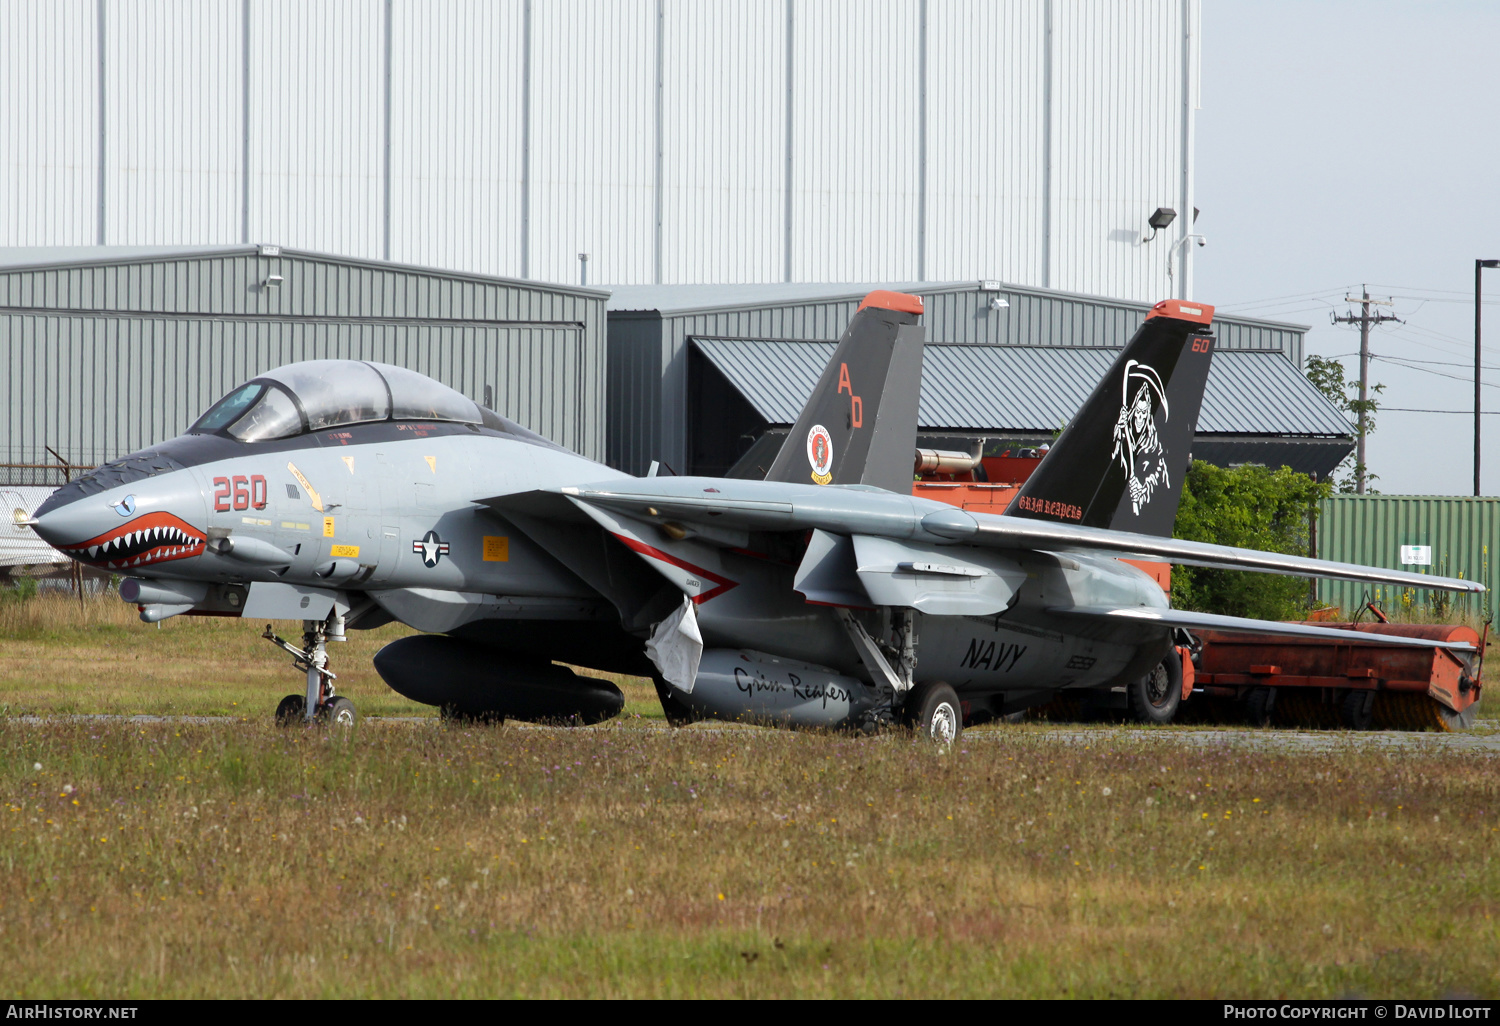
152 538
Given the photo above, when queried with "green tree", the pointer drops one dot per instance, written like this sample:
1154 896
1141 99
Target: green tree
1254 508
1327 376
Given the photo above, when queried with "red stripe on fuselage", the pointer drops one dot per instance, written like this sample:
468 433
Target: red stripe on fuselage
724 583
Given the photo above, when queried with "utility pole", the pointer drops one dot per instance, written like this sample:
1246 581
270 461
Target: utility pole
1479 266
1364 320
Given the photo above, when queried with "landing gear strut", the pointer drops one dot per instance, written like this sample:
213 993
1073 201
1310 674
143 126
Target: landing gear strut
319 702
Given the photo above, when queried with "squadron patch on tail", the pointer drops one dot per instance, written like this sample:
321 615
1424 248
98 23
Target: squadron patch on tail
820 453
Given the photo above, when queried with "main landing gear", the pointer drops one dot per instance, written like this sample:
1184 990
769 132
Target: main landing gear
931 708
319 703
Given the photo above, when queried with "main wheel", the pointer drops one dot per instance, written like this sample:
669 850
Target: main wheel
339 712
1155 697
1259 705
933 711
291 711
1357 709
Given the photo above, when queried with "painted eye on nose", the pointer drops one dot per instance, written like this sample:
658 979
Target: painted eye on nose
126 506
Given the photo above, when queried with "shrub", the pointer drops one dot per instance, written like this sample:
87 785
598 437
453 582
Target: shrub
1250 507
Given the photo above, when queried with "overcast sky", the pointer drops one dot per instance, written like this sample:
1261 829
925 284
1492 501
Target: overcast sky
1348 143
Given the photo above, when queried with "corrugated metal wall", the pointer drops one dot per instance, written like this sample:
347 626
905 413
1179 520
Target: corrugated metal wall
648 365
723 141
49 94
456 136
855 140
672 140
1464 534
316 125
987 138
99 360
172 119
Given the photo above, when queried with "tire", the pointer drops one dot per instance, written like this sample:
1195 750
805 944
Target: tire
1357 709
1155 697
290 711
339 713
934 712
1259 705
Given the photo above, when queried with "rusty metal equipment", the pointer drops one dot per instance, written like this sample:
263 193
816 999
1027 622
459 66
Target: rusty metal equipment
1353 684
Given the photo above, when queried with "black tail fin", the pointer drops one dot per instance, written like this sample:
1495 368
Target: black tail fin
860 425
1121 461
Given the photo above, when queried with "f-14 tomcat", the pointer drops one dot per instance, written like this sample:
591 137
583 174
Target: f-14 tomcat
346 495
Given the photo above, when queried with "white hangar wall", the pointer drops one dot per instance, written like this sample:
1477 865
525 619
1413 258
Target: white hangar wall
673 140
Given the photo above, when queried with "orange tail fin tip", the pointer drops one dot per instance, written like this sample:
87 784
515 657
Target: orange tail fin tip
1182 310
886 300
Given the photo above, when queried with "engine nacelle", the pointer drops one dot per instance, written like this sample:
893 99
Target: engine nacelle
753 687
472 680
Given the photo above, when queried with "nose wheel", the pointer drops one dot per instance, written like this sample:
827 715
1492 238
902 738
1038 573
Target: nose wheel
319 703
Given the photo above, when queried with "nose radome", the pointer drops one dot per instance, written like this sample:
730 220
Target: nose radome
129 526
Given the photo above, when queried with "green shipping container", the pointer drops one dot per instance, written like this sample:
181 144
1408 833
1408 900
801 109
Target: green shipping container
1443 535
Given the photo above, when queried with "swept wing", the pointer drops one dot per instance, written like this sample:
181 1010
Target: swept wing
717 503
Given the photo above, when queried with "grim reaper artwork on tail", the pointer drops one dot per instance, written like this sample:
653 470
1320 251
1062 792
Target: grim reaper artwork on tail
1137 445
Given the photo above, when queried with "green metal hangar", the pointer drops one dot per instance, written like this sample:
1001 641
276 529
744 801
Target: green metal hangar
107 350
708 379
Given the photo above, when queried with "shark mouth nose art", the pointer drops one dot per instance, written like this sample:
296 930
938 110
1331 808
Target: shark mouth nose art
151 538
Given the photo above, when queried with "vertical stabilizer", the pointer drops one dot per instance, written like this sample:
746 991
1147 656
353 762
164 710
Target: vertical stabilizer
1121 461
860 425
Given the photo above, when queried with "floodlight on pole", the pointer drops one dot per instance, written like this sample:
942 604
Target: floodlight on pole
1159 219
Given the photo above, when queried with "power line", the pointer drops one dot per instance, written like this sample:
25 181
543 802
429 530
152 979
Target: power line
1440 363
1273 300
1456 413
1423 370
1423 288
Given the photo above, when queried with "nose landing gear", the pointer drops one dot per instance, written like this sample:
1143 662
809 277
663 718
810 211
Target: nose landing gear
319 703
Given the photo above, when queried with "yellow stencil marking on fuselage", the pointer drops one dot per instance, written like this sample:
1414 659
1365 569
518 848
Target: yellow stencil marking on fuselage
496 548
348 462
431 463
344 551
312 495
328 527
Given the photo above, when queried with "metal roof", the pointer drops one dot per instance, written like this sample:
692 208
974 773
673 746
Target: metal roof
674 300
1031 388
25 258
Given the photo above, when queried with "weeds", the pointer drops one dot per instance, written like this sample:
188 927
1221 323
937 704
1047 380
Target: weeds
406 859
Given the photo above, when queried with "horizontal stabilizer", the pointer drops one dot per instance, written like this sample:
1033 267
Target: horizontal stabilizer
1008 532
1243 625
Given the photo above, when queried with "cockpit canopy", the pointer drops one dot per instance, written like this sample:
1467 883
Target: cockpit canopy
320 394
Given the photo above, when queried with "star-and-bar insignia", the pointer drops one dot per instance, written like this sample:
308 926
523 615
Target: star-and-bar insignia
431 548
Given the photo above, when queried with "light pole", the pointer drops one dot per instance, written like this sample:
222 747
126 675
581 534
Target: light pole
1479 266
1172 253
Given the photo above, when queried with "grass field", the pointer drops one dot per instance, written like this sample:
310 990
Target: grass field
58 657
406 858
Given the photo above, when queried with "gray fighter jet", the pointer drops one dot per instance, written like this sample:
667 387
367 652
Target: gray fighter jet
346 495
